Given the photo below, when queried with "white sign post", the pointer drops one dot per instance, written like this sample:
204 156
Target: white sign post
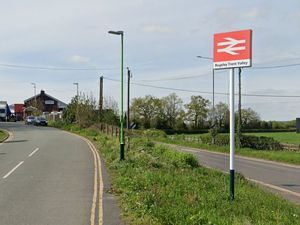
232 133
232 50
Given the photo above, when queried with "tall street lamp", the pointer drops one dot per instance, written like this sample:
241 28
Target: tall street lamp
77 101
122 144
76 88
129 75
213 80
34 91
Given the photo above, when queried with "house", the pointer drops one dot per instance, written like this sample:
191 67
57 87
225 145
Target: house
43 103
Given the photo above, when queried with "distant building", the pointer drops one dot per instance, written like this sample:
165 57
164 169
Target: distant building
17 110
43 103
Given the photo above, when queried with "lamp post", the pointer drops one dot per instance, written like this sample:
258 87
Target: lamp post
76 89
122 144
34 91
128 98
77 100
213 80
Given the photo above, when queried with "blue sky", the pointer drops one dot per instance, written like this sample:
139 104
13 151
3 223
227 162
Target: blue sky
162 40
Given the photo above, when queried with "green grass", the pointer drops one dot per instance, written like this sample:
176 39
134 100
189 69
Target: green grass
278 156
283 137
3 135
157 185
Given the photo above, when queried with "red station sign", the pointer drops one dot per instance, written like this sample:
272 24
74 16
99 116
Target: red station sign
233 49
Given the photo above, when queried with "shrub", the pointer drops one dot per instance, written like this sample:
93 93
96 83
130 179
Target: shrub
260 143
154 133
247 141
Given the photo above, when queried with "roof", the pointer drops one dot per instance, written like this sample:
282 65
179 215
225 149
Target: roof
59 103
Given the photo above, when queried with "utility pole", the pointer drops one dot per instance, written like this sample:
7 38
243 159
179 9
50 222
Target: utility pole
128 98
101 95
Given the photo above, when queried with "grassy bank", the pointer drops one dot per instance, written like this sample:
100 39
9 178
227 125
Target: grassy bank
157 185
3 135
278 156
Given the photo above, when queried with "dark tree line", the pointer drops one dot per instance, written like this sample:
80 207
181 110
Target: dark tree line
168 112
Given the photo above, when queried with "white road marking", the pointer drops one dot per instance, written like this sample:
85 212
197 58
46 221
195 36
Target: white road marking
275 187
10 172
31 154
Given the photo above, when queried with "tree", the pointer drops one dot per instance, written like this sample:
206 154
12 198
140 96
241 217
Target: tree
250 118
86 110
222 115
81 110
69 114
109 114
197 110
172 110
111 104
145 110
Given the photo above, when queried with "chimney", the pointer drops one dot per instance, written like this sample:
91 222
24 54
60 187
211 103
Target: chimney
42 92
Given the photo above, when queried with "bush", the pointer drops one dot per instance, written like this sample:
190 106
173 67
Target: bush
247 141
260 143
154 133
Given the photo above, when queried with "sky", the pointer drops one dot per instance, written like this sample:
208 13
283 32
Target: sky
53 40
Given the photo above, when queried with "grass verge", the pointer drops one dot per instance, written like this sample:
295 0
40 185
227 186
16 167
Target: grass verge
3 135
158 185
278 156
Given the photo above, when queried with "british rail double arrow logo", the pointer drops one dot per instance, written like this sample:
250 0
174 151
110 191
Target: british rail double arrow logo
232 47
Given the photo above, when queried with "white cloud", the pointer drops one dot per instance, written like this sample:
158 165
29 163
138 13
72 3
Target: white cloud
78 59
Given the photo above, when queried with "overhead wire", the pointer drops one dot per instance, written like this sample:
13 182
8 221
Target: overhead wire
177 77
206 92
276 66
52 68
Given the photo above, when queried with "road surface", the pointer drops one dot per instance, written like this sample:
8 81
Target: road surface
49 176
279 178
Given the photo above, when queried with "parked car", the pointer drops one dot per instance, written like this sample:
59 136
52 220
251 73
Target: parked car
30 120
40 121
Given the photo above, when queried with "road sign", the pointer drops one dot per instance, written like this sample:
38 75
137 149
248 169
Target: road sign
233 49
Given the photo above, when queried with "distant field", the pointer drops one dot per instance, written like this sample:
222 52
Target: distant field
283 137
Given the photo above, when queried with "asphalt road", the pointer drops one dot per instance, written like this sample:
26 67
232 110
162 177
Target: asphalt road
279 178
48 176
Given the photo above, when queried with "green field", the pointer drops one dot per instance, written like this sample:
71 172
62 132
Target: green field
3 135
159 186
283 137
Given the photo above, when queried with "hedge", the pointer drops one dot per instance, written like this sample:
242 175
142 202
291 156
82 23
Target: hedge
247 141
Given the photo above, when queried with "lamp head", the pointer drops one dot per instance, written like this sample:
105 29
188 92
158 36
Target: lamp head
116 32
